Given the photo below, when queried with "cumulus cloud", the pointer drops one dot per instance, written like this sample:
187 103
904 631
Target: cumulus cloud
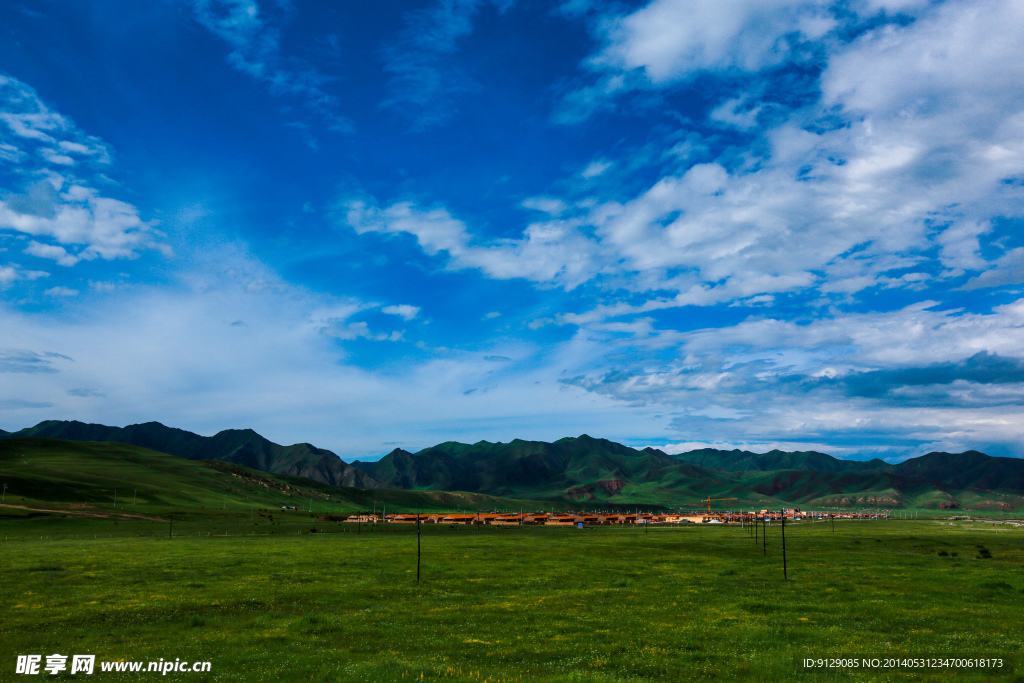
405 311
57 165
896 379
554 252
51 251
11 273
924 130
912 150
672 39
1008 269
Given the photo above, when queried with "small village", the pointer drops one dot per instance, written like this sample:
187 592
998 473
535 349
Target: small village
580 519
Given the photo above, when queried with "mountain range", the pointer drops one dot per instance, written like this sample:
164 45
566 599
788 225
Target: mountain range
589 469
585 469
240 446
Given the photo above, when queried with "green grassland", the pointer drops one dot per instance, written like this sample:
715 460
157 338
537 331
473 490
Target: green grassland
197 561
697 602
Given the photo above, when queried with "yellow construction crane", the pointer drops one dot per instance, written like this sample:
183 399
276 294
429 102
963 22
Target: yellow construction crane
708 501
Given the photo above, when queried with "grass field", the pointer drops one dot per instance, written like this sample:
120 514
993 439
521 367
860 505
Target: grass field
510 604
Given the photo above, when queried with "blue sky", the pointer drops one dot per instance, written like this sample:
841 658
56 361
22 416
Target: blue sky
739 223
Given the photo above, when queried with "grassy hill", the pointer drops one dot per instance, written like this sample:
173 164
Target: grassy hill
44 473
240 446
579 469
586 471
744 461
601 471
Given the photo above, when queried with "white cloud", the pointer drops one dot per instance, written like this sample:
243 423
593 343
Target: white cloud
359 330
405 311
925 127
58 200
596 168
10 273
549 205
174 355
61 292
865 383
49 251
673 39
736 112
79 215
550 252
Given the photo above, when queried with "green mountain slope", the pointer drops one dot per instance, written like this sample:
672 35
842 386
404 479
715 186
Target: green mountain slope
743 461
42 472
585 470
598 470
518 467
582 469
240 446
969 470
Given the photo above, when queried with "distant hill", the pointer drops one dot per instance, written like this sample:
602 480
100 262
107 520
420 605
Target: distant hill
585 470
240 446
744 461
575 469
542 469
969 470
91 474
599 470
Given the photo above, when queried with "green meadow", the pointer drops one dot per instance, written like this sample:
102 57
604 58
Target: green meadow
274 602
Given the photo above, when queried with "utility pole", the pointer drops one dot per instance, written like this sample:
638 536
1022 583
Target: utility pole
764 538
135 496
115 499
5 493
785 576
417 546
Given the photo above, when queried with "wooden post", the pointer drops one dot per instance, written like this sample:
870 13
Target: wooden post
785 576
417 546
764 537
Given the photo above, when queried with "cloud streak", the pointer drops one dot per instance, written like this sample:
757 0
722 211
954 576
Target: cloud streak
256 51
